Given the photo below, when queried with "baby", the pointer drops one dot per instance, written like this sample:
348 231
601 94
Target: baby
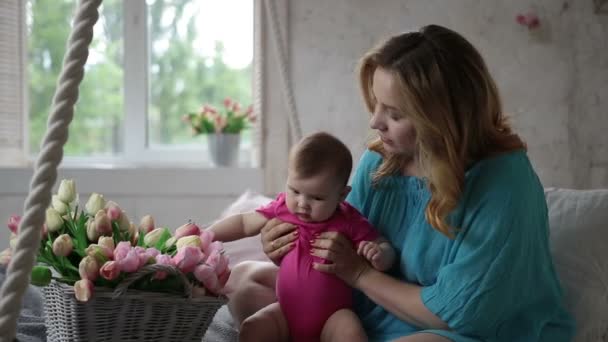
319 168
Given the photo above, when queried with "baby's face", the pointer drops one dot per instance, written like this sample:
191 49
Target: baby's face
313 199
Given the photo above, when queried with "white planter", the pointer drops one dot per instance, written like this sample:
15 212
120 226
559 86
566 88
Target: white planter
224 149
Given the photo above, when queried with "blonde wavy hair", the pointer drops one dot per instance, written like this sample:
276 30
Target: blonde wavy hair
453 104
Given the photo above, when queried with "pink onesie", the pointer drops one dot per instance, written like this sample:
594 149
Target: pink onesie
309 297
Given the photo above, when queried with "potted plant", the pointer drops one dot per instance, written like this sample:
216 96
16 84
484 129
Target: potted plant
93 261
223 127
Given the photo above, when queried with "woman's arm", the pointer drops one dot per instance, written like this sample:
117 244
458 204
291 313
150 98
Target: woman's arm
400 298
238 226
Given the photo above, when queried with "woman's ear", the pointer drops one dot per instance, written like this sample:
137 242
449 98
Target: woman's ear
345 193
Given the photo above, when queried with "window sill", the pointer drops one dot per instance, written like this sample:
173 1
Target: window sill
142 180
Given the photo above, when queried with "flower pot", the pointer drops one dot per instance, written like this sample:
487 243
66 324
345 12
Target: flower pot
224 148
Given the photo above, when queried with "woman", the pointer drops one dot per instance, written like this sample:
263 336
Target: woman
450 185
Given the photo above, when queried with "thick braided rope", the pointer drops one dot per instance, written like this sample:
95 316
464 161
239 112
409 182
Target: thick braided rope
281 51
45 170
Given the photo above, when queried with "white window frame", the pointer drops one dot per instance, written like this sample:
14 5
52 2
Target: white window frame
136 102
272 135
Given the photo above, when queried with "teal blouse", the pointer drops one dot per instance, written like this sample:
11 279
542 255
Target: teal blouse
495 281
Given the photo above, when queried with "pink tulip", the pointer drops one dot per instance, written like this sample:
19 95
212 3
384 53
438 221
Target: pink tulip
110 270
63 245
88 268
121 251
533 21
218 262
206 239
227 102
163 259
529 20
249 110
187 258
92 233
100 253
152 252
145 256
215 246
207 109
107 242
187 230
124 224
113 210
236 107
13 223
207 276
83 289
223 278
5 257
134 237
222 281
103 225
521 19
131 262
146 224
220 123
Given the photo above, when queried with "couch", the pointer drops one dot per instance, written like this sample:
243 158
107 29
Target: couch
579 243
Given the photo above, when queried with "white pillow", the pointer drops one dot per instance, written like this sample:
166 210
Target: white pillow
579 244
248 248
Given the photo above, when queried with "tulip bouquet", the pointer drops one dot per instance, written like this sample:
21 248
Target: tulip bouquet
230 119
100 246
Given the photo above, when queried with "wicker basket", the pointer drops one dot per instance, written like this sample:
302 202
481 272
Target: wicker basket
127 315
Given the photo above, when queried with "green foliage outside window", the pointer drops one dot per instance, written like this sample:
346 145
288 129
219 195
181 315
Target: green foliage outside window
180 78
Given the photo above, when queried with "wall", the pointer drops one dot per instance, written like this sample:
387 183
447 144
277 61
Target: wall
553 80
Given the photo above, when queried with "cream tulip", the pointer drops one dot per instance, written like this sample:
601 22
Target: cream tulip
59 205
95 203
67 191
63 245
54 222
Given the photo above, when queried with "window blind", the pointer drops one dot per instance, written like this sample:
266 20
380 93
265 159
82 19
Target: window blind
12 97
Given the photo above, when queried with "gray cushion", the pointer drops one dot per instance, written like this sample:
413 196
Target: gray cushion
579 243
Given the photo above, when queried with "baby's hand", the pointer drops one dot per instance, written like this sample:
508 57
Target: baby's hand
380 258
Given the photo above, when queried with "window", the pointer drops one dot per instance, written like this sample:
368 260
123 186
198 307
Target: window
150 63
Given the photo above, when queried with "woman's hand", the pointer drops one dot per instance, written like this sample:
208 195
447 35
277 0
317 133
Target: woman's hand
339 251
278 238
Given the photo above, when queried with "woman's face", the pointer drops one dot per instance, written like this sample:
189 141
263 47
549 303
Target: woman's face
394 127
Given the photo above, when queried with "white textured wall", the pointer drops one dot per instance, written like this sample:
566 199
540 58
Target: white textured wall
554 80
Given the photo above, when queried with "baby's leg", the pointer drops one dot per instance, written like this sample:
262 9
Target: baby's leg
268 324
343 325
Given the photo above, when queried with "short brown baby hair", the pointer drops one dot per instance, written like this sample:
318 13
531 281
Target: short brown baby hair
319 152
